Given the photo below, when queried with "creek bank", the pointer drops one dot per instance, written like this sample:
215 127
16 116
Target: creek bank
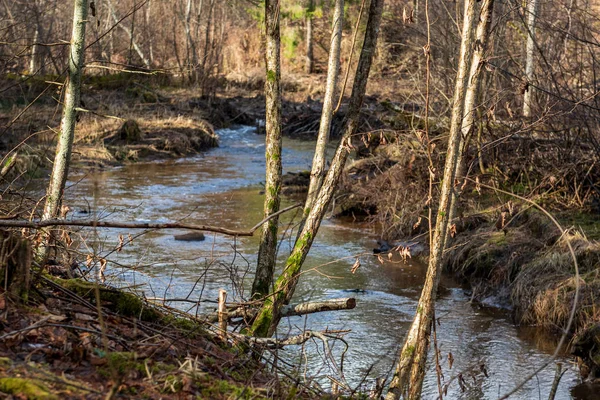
62 344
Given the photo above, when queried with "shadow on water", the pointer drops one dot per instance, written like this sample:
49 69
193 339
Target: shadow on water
221 187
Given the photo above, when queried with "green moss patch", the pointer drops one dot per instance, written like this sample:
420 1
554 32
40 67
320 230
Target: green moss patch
28 388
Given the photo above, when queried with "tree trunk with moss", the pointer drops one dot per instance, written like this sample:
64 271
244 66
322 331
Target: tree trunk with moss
318 165
410 370
473 88
268 241
270 313
60 170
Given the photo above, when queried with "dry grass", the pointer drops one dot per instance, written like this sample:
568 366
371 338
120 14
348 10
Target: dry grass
544 289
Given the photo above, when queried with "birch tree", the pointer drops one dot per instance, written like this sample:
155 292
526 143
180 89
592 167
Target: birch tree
531 19
318 165
66 135
270 313
472 95
410 370
268 241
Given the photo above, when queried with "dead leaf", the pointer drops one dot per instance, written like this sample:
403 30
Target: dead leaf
84 317
355 266
121 243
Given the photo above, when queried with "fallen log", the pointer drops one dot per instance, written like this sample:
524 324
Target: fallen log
291 310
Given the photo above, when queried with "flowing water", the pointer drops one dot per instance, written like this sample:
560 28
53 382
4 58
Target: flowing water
222 187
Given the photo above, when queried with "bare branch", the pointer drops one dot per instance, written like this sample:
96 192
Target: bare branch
139 225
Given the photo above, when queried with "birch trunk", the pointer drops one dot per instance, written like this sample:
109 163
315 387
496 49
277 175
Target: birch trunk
60 170
34 60
531 17
268 241
410 370
318 165
309 38
473 88
270 313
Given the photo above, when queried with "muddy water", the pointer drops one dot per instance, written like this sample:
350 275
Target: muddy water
222 187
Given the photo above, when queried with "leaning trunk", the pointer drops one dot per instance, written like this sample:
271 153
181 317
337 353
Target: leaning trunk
268 241
64 147
270 313
318 165
410 371
531 11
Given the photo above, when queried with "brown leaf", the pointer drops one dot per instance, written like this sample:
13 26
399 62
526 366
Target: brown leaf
416 224
355 266
121 243
452 230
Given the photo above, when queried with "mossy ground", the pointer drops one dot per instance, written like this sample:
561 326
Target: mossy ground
56 347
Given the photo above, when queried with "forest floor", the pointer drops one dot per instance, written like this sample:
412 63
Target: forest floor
500 243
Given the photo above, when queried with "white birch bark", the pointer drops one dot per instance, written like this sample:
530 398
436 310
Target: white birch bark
531 18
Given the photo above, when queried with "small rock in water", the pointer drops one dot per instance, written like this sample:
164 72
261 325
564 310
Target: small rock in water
190 237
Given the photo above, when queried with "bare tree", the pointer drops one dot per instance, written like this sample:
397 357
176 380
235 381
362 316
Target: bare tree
309 37
268 241
64 147
410 370
130 35
472 93
270 313
318 165
531 20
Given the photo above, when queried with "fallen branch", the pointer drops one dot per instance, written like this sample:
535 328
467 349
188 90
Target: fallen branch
274 343
291 310
139 225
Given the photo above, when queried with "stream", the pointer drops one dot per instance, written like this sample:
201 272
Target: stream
222 187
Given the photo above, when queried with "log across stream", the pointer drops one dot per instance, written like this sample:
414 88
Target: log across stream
222 187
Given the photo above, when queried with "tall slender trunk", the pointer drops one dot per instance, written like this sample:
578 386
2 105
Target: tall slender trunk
318 165
206 55
410 370
35 51
268 241
192 55
309 37
531 17
473 88
270 313
60 170
149 36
